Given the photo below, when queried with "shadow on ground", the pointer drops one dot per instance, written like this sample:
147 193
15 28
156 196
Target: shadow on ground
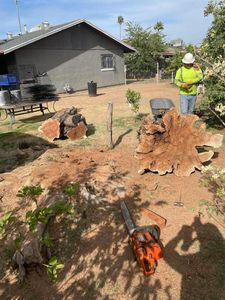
17 149
202 270
94 248
120 138
99 263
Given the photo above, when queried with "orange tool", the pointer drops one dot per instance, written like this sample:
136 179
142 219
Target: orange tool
144 241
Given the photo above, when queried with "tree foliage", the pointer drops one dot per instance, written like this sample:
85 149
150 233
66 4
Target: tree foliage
159 26
212 53
174 62
149 45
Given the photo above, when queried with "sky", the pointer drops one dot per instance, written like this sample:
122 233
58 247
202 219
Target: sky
181 18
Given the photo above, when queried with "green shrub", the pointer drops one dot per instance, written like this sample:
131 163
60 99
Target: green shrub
133 99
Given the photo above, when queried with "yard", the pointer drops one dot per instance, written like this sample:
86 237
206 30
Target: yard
93 246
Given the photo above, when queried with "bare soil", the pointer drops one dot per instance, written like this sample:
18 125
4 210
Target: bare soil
99 263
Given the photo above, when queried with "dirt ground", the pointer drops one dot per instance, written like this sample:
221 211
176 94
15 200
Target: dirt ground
94 247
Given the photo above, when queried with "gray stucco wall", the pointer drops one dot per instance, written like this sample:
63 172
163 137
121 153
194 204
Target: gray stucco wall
73 57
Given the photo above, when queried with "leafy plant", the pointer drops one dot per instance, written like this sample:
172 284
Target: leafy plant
5 220
47 241
212 55
53 268
215 178
62 207
207 207
133 99
42 215
32 192
72 189
37 216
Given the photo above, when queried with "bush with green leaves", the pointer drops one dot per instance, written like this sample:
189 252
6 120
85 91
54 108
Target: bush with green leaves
43 215
212 54
133 99
5 221
30 192
53 268
72 189
214 178
40 215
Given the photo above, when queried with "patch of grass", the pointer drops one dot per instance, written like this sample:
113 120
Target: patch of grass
128 122
83 143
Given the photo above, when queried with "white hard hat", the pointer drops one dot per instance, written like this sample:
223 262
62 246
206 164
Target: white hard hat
188 58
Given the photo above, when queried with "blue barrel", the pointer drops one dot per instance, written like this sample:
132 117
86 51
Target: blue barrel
8 79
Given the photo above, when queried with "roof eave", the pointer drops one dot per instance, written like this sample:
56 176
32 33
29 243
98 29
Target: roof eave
42 36
77 22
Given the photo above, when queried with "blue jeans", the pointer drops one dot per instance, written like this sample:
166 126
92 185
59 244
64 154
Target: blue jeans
187 103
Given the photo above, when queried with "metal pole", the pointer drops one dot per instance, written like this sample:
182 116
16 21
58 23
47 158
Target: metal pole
109 124
157 74
18 15
172 78
125 74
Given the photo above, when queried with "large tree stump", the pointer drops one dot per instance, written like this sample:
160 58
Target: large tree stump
172 146
63 124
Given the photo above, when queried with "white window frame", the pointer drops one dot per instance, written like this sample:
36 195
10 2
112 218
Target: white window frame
103 69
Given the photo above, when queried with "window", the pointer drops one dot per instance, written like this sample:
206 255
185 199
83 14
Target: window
107 62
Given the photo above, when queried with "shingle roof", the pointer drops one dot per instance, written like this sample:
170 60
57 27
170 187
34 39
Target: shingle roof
17 42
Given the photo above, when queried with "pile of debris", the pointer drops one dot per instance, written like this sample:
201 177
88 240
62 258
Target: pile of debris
175 145
65 123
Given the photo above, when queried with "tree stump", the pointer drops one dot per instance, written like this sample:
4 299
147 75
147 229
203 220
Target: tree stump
65 123
172 146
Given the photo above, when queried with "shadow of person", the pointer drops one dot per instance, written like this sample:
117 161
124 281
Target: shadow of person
198 254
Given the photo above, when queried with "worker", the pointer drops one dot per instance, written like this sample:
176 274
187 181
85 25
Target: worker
187 79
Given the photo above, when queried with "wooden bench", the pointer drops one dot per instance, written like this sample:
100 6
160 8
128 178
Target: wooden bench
25 107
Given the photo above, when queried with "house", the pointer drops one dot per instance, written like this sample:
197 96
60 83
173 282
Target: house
171 51
70 54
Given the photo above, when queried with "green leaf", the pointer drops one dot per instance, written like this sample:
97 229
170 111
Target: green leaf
53 261
60 266
72 189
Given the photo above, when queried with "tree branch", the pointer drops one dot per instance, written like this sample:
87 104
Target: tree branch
210 64
215 114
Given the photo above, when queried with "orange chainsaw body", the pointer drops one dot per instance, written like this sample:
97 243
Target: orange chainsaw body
147 250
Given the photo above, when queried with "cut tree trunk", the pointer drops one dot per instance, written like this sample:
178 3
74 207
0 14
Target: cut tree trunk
172 145
77 132
32 249
63 122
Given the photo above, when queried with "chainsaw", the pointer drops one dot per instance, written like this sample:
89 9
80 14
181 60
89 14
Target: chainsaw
144 241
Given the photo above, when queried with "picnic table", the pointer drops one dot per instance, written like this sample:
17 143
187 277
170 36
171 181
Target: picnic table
25 107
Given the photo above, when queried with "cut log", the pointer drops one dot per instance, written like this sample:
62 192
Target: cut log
64 124
31 251
51 129
77 132
172 145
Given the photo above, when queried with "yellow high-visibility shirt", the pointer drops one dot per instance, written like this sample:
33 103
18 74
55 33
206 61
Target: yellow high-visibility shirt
192 76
